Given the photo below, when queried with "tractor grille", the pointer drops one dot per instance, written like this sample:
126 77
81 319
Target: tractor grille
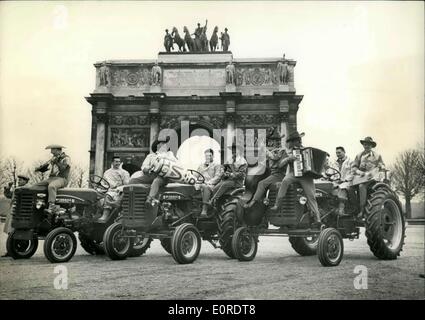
134 211
22 210
287 215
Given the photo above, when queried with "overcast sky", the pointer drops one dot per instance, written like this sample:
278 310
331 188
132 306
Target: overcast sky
360 65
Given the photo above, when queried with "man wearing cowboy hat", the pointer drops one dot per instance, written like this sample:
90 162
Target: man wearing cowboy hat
60 166
363 164
294 142
277 168
8 193
234 173
160 149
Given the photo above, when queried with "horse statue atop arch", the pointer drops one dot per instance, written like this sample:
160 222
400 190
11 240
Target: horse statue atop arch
214 40
178 40
188 39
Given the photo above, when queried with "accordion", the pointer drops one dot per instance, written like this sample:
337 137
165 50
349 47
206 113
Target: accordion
310 162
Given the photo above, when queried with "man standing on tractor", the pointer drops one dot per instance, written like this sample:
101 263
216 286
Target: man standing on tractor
277 168
343 164
234 173
160 149
212 173
60 165
294 142
363 165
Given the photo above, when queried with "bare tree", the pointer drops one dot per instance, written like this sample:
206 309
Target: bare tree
9 170
36 177
79 176
407 175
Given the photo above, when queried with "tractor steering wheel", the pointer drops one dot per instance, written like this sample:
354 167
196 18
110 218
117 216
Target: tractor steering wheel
199 176
334 176
99 183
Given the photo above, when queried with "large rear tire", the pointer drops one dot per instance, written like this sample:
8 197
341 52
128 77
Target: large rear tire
117 246
166 244
304 246
90 245
227 225
21 249
385 224
60 245
140 246
186 243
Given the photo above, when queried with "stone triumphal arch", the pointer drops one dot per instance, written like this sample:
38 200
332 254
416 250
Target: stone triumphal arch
134 99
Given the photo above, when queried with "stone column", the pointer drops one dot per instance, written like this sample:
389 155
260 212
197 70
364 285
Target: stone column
101 122
154 113
284 117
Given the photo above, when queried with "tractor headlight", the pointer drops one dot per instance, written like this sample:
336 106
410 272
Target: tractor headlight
303 200
40 203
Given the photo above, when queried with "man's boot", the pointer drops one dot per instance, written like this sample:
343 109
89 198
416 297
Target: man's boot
278 204
250 204
204 212
105 215
52 208
341 209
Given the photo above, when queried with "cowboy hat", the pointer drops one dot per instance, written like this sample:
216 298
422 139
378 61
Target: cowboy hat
54 146
154 146
295 136
368 140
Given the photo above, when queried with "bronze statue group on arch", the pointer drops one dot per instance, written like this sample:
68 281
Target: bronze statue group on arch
198 43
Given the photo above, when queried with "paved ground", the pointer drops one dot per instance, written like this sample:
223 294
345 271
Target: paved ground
276 273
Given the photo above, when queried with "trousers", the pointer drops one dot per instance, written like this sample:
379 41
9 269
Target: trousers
155 181
53 184
264 184
309 189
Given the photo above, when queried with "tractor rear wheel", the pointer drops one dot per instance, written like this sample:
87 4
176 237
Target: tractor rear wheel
21 249
304 246
166 244
140 246
227 225
385 224
90 245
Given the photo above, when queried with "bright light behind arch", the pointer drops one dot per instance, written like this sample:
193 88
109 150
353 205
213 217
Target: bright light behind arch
191 152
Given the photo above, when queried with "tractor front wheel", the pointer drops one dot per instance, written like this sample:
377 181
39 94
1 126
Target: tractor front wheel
244 244
60 245
330 249
117 245
186 243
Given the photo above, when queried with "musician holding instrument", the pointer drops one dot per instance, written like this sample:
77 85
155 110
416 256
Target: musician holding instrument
307 183
364 164
60 167
275 158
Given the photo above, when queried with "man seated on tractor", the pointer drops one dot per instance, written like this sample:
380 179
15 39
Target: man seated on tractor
363 164
343 164
60 165
8 193
234 174
160 149
294 142
116 177
212 173
277 168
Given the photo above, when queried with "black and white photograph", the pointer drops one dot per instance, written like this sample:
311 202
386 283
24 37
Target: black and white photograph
212 150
